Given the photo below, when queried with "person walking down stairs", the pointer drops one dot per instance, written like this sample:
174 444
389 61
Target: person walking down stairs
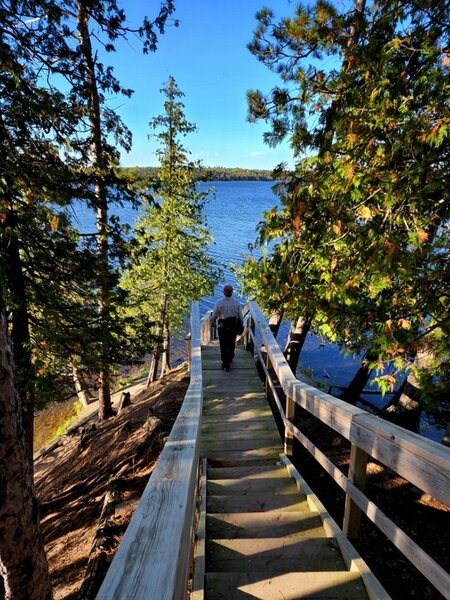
228 311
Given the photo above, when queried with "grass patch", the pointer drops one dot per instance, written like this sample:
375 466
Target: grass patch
53 421
134 376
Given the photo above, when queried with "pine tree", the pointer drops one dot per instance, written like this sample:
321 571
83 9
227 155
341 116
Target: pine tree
170 265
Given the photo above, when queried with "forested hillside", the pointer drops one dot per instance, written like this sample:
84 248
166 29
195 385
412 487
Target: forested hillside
204 174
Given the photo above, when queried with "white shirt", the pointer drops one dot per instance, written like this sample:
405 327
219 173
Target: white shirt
227 307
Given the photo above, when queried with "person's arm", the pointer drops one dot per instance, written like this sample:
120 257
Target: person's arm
240 313
215 314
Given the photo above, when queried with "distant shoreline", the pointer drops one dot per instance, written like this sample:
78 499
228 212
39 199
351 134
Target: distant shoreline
207 174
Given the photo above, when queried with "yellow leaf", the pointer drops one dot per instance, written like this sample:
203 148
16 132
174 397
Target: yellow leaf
404 323
351 283
352 138
422 236
365 213
337 228
350 172
54 222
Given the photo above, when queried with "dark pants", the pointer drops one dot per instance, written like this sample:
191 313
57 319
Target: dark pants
227 340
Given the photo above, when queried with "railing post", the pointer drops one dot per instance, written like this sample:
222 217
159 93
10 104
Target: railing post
357 472
249 345
268 390
288 435
189 347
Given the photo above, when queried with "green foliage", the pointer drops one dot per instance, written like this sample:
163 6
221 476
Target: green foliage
201 173
361 240
170 266
49 128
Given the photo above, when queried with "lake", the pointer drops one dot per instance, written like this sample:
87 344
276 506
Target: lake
233 213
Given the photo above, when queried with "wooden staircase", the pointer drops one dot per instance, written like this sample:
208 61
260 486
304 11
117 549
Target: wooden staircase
258 537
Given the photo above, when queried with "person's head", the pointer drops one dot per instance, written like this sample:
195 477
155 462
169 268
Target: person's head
228 291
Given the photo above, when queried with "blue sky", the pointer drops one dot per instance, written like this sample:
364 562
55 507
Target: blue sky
208 58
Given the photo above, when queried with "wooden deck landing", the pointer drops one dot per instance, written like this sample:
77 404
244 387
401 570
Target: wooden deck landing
261 538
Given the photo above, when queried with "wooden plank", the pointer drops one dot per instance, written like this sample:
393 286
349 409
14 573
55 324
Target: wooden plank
225 445
153 558
245 473
357 471
256 502
263 525
276 555
243 415
234 404
275 485
263 432
198 578
234 379
423 462
244 396
331 585
214 364
256 455
210 425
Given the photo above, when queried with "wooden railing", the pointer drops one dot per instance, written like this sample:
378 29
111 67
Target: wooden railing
154 557
207 329
422 462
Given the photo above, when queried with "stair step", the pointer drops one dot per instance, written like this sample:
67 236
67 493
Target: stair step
225 446
225 409
329 585
256 502
246 472
210 425
254 457
232 415
277 485
262 430
292 552
234 404
263 525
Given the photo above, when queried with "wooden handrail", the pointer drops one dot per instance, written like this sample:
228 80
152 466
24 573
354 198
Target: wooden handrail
207 332
153 559
422 462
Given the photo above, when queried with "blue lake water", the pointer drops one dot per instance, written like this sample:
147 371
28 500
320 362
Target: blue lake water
233 213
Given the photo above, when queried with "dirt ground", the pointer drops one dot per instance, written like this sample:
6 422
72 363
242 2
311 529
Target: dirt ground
72 481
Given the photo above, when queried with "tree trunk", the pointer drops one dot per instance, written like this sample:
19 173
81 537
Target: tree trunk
98 163
405 409
296 339
23 564
159 351
165 366
275 320
153 368
83 393
20 337
354 389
